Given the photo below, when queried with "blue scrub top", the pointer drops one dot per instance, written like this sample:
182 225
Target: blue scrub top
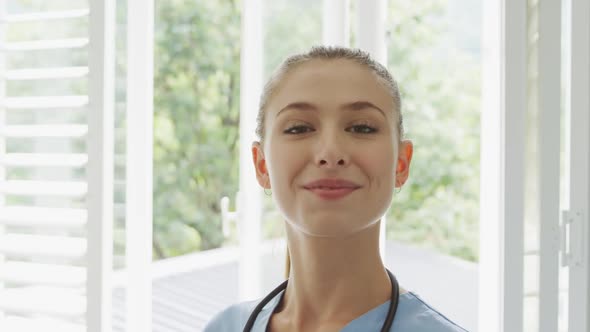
413 315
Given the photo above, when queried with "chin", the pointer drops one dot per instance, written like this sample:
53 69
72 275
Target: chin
329 227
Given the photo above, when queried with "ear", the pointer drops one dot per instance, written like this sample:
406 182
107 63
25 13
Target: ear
403 163
260 165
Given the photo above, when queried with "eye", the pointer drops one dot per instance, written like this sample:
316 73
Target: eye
364 129
299 129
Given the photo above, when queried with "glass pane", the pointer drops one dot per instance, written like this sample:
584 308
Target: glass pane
531 275
434 52
196 102
531 181
289 27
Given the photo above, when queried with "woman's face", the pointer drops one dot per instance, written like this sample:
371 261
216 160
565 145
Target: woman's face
331 120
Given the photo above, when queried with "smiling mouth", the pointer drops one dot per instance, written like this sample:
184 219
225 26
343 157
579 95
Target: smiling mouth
332 193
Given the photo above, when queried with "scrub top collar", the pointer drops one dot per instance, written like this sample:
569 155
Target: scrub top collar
374 316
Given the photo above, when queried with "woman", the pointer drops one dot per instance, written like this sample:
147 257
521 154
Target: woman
331 151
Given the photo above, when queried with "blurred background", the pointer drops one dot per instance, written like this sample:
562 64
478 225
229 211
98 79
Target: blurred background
433 49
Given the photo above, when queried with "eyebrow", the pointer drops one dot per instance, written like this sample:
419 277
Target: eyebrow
354 106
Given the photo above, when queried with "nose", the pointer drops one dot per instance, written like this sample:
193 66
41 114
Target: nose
331 152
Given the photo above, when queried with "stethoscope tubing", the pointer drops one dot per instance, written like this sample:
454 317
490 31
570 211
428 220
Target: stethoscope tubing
393 303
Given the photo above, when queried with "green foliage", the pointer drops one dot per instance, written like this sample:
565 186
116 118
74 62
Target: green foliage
300 20
439 205
196 121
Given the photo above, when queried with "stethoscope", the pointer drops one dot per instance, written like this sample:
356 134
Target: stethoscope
386 325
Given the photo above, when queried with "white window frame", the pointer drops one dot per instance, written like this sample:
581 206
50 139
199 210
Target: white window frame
335 22
139 165
504 103
548 146
249 199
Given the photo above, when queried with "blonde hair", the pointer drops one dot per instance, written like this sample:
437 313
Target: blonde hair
327 53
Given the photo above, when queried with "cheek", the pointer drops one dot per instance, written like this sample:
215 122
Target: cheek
379 165
284 163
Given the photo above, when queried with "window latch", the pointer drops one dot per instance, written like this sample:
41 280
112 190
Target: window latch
572 238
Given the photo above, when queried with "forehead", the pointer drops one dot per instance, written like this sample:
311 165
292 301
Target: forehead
330 83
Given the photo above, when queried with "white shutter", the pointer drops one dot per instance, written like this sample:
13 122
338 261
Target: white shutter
577 106
56 181
100 145
556 283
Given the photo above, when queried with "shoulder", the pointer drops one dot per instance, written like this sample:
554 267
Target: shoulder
417 315
232 318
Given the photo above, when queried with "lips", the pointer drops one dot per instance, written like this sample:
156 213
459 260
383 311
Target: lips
334 184
331 189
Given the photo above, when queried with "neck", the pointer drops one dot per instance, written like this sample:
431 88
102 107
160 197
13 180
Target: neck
333 280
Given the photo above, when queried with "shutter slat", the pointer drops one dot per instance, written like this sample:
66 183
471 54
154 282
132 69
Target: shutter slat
44 102
54 295
32 216
71 189
43 274
16 323
45 16
44 159
42 246
50 44
43 300
45 73
69 130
